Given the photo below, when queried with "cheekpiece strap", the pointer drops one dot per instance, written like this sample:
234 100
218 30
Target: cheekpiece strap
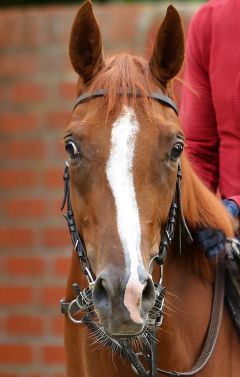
175 214
75 237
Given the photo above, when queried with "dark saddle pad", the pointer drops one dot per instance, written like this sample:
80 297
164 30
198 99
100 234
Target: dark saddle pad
232 287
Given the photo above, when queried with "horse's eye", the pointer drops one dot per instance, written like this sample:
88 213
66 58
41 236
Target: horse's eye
71 149
176 151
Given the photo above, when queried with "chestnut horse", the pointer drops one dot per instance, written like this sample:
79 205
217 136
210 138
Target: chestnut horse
123 191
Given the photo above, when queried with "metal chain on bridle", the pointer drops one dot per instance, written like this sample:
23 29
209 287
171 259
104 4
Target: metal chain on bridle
84 303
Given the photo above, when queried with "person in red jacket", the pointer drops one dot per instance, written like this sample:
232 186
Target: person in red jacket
210 106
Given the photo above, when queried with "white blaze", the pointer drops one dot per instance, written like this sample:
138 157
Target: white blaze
119 171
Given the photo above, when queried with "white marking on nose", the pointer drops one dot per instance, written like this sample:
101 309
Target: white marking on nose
119 171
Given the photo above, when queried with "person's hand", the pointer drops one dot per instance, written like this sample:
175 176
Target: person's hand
232 207
211 240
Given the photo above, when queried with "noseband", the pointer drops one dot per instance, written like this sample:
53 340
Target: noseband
83 301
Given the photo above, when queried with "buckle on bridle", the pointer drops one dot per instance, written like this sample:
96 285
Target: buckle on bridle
82 302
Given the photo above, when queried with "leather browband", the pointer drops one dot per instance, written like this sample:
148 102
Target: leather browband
157 96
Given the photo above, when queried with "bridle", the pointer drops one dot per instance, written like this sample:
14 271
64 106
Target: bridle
83 301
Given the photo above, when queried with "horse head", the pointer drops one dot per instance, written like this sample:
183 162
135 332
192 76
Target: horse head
123 149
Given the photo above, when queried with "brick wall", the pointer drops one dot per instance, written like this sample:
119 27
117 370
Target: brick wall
37 91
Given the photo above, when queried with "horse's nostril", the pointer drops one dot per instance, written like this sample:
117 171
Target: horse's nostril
148 294
99 289
147 290
100 295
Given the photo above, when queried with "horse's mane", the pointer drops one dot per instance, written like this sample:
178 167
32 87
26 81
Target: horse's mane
125 73
201 207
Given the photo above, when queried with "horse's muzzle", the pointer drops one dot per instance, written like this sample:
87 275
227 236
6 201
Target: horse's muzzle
123 304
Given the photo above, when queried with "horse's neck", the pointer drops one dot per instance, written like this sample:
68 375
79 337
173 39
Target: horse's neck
189 282
188 279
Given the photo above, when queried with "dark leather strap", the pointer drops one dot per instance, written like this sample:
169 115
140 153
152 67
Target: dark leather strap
175 213
77 242
214 324
157 96
86 96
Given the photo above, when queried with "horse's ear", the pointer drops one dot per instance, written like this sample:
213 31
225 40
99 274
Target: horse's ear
168 51
85 47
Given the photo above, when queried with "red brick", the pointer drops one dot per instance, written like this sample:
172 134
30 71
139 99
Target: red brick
11 23
57 61
14 179
18 64
39 30
58 119
57 325
60 150
55 206
28 92
3 97
15 353
15 237
14 295
53 178
2 374
17 266
68 90
2 324
56 237
18 123
26 208
61 266
52 295
20 150
53 354
24 325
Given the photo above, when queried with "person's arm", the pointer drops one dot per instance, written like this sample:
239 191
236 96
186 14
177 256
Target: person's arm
197 113
199 121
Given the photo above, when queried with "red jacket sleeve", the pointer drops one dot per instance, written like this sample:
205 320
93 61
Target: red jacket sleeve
197 112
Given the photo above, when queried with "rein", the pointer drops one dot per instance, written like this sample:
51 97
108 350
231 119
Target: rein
83 301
